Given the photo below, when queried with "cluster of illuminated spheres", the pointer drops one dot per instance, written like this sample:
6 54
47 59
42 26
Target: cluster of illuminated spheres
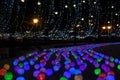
73 60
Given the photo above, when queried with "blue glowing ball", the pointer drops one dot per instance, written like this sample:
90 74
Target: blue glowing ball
20 78
22 58
67 66
42 64
35 73
20 71
37 66
56 68
26 67
35 53
77 71
31 62
67 74
49 72
25 63
116 60
66 62
110 77
15 63
42 69
72 70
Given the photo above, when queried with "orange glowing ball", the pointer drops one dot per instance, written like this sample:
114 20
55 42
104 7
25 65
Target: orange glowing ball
78 77
2 71
7 66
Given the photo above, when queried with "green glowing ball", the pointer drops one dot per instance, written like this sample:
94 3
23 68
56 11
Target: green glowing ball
8 76
97 71
118 67
63 78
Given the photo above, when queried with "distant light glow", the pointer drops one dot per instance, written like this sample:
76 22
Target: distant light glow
39 3
35 20
22 0
74 5
66 6
56 13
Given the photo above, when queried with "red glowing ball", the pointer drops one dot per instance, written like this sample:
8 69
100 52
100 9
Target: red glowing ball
41 76
2 71
103 75
111 72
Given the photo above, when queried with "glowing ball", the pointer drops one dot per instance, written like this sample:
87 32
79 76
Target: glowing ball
41 76
78 77
20 65
67 66
96 64
111 73
110 77
118 67
97 71
72 64
20 71
35 73
103 76
26 67
116 60
83 66
46 58
30 54
111 59
105 68
72 70
2 72
106 62
8 76
20 78
66 62
37 66
111 64
63 78
7 66
35 53
77 71
49 72
42 69
56 68
36 58
53 62
100 78
15 63
16 68
22 58
99 60
32 62
42 64
25 63
67 74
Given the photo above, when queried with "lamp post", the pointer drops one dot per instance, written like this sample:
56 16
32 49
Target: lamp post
35 21
107 28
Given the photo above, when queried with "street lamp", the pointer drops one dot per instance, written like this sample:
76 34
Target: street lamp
107 28
104 27
35 21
